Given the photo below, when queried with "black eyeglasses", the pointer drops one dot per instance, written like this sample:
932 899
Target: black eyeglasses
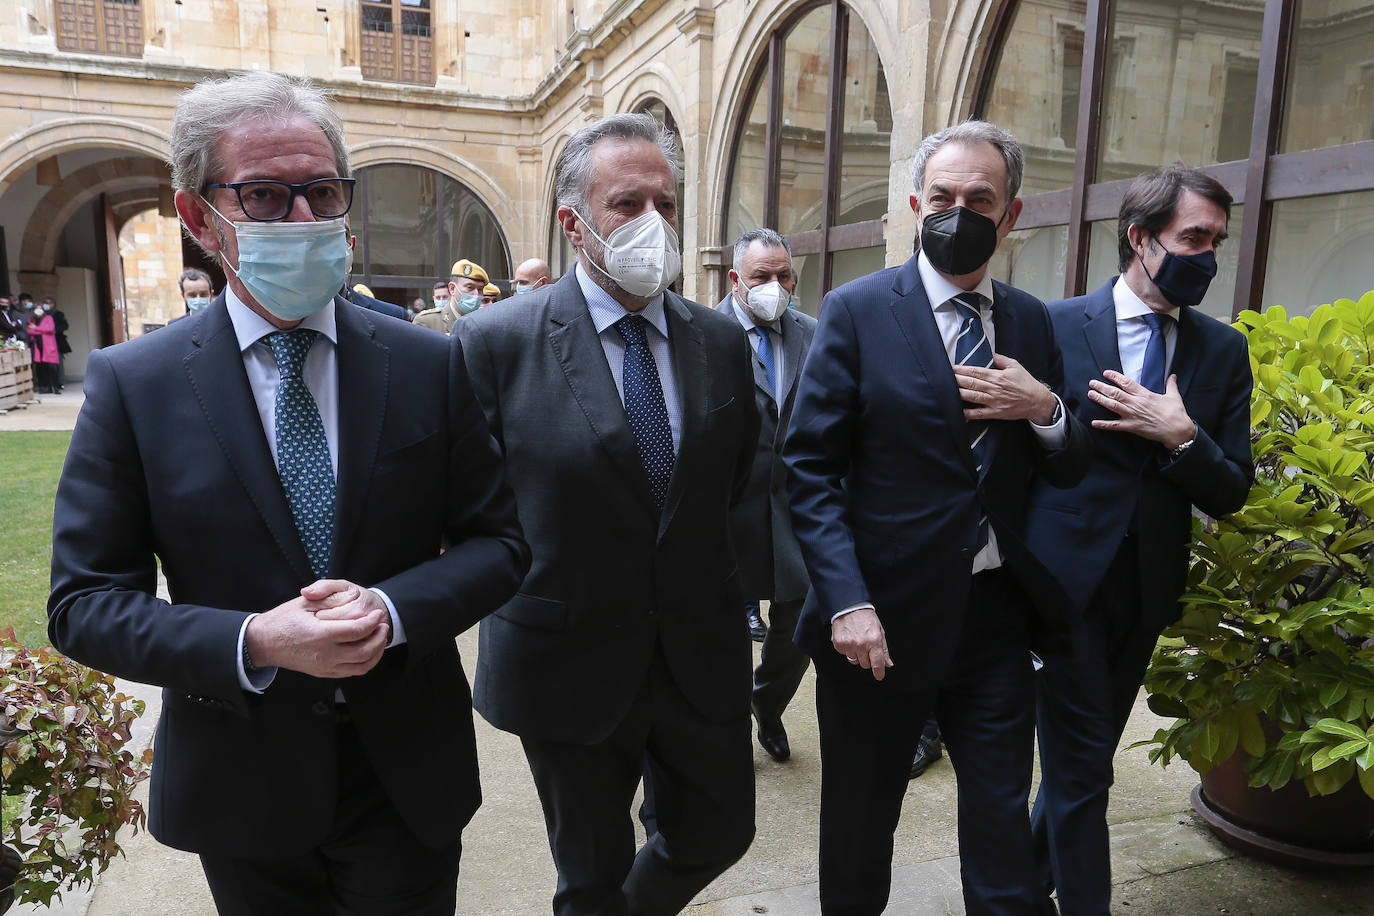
266 201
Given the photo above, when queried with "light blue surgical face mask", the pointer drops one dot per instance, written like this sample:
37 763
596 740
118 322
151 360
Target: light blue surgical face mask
469 303
522 288
292 269
196 303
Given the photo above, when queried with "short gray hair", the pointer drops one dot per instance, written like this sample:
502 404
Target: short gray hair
209 108
572 173
967 134
768 237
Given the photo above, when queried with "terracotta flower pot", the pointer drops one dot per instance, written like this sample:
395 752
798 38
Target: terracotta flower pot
1287 825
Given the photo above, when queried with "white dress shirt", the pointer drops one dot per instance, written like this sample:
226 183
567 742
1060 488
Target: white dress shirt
321 375
1132 333
605 312
774 336
941 292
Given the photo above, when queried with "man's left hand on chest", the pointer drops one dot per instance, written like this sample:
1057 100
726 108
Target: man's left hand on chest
1006 391
1161 418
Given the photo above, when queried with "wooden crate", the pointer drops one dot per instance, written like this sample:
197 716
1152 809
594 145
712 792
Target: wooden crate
16 378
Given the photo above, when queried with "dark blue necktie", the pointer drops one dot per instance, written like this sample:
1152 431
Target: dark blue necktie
972 348
770 367
1152 370
645 406
307 475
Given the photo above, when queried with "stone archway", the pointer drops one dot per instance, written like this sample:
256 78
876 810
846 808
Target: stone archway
61 135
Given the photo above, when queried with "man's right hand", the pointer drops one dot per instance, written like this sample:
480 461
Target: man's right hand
859 637
292 636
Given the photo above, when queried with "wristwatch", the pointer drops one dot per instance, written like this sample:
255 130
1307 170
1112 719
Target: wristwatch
1174 454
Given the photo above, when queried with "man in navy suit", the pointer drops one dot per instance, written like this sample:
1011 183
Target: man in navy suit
274 454
928 408
1166 390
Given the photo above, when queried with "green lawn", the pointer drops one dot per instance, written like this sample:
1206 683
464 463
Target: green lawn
30 463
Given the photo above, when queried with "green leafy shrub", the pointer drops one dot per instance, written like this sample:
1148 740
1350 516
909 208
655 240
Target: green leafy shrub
1274 653
68 781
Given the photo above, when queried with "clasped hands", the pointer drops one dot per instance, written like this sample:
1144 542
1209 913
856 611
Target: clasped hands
333 629
1006 391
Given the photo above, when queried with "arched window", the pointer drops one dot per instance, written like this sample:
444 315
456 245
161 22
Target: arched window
1275 100
413 224
812 150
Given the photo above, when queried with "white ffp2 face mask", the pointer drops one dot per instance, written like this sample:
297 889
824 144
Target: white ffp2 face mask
642 256
767 301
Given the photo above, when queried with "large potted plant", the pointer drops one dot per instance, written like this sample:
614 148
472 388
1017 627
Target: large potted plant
1269 674
68 777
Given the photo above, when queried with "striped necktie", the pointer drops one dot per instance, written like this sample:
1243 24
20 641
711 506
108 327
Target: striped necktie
972 348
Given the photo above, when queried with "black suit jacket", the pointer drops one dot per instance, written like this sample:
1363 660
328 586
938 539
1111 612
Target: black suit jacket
770 560
169 462
389 309
612 578
1133 482
885 499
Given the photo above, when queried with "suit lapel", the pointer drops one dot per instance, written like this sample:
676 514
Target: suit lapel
578 350
1099 328
912 312
793 348
215 370
1186 350
363 365
687 344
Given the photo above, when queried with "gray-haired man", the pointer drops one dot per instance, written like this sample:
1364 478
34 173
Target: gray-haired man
762 282
274 452
627 418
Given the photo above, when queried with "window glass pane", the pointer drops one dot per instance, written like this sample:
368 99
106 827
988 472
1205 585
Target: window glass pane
1103 261
1033 260
855 263
1035 89
808 294
1331 76
805 102
1180 85
420 221
1319 251
745 207
865 151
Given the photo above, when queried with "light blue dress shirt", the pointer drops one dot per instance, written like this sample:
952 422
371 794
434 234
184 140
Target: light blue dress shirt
1132 333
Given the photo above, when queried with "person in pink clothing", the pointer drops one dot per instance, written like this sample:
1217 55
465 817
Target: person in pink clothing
43 341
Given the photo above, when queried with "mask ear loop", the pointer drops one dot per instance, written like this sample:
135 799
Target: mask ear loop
220 254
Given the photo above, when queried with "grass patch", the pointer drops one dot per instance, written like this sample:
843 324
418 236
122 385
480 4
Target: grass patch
30 463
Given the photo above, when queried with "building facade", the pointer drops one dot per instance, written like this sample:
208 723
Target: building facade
797 114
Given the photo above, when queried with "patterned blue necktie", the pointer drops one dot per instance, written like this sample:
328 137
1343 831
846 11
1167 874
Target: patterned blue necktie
770 367
971 348
1152 370
645 407
303 462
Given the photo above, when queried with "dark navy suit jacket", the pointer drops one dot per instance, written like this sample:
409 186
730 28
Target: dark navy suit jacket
1132 482
885 499
169 463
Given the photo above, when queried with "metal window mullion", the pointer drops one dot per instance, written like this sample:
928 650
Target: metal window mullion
834 138
1275 47
773 132
1097 35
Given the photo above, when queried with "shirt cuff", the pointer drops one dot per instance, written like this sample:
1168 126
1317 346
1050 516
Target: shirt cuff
1053 436
863 605
398 631
261 678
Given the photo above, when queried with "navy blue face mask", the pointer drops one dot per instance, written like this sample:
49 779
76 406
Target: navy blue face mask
1183 279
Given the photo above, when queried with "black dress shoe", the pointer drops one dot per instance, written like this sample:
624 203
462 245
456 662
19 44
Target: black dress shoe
928 750
757 628
773 739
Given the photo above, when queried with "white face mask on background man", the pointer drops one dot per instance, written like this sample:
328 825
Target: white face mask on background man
766 302
641 256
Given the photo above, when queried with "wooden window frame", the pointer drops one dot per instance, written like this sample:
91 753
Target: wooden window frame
829 239
1266 177
398 72
97 11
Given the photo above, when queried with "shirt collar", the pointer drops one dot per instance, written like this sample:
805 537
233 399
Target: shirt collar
605 311
250 327
748 323
1129 305
939 290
